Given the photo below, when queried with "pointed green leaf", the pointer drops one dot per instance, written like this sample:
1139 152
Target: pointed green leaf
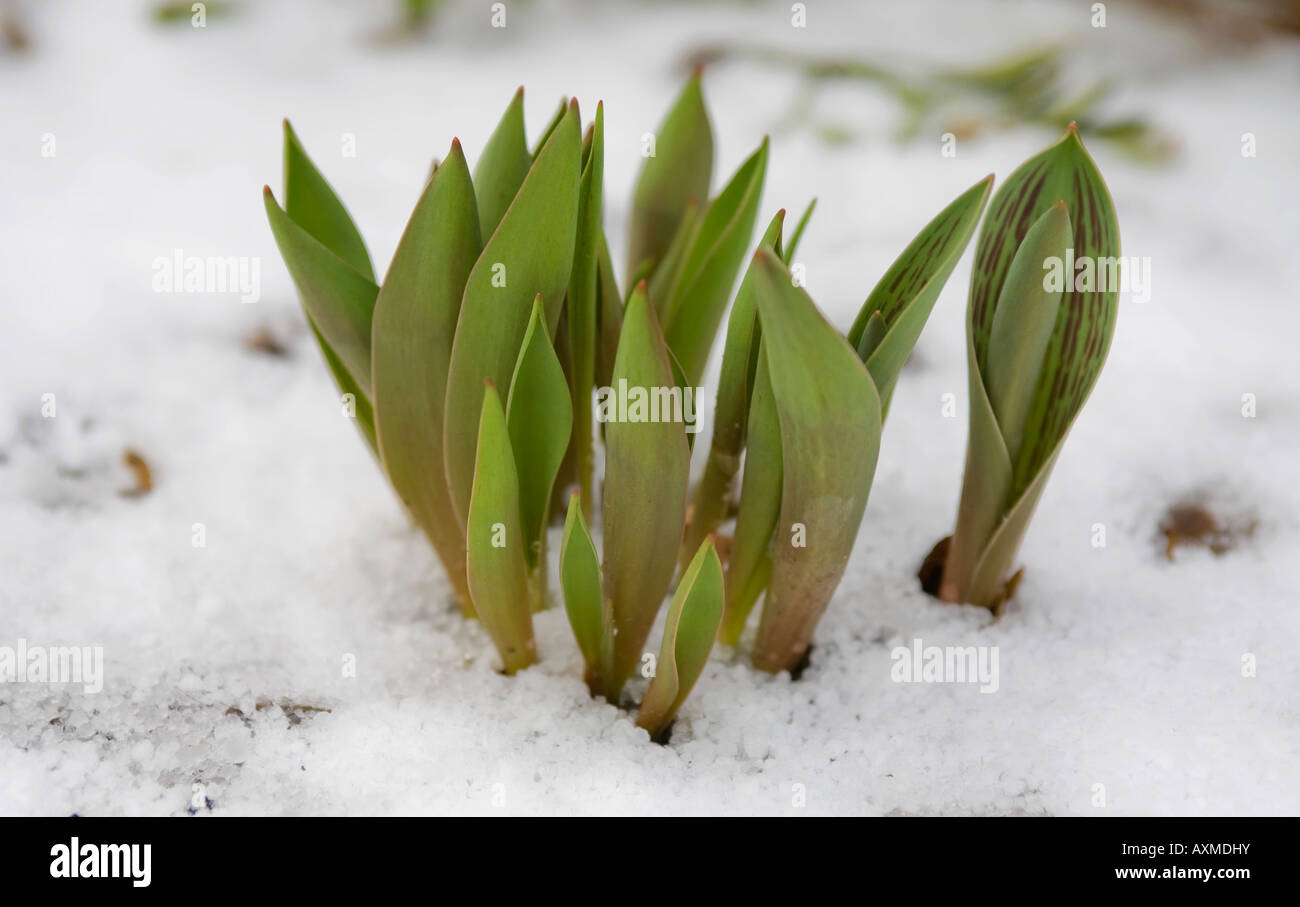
338 299
647 466
703 285
905 296
498 580
580 581
730 415
312 205
502 166
540 416
689 631
414 322
583 302
788 255
556 119
1023 323
531 252
679 170
830 435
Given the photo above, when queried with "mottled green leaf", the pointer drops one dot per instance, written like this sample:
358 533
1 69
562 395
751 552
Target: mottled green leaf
830 422
502 166
414 322
677 173
647 466
1001 487
580 582
1022 325
498 580
540 416
689 631
531 252
312 205
907 293
700 291
1086 322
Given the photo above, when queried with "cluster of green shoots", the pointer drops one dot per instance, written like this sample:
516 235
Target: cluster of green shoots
482 367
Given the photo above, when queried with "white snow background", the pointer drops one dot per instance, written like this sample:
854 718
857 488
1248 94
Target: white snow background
1117 667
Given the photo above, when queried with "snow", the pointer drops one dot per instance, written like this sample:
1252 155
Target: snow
1117 667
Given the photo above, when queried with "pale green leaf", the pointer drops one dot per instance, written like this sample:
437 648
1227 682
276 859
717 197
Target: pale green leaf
647 465
531 252
414 322
338 299
582 305
731 413
678 172
580 582
830 422
702 287
498 580
749 566
540 416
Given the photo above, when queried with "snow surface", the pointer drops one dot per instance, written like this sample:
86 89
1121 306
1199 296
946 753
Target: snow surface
1117 667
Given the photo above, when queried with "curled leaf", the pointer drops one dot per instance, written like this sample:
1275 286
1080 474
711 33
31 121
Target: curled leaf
689 631
580 583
